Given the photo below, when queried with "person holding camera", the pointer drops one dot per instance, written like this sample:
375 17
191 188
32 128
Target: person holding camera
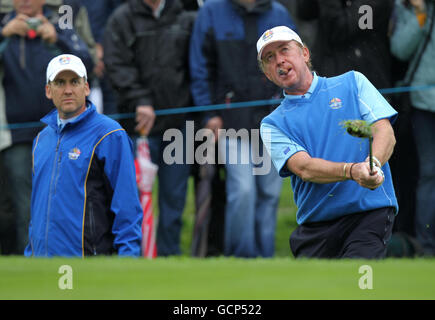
30 37
413 41
23 26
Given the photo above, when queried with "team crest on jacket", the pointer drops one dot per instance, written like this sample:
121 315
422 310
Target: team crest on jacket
335 103
74 154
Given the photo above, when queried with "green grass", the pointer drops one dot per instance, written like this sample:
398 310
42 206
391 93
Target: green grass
179 278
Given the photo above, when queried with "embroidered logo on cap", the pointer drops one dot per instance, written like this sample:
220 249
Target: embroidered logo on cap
267 35
64 60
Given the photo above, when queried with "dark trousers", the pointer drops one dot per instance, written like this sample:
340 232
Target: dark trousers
172 182
16 188
359 235
424 132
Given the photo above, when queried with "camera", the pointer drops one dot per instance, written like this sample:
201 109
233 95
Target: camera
33 24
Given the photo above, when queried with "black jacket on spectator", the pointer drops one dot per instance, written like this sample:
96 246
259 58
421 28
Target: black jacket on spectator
147 60
342 45
223 59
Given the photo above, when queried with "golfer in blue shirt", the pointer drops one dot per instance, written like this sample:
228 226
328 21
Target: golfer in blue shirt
345 208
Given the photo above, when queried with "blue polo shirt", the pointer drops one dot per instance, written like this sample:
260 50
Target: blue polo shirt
311 123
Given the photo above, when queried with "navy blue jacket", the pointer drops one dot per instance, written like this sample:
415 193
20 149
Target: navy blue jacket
25 62
84 195
146 60
99 12
223 57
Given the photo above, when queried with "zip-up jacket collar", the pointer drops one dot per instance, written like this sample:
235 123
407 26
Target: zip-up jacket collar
51 118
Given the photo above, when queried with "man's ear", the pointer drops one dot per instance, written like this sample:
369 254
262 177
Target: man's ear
48 91
306 54
87 89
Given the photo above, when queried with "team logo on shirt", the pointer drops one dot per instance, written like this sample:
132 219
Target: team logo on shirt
74 154
335 103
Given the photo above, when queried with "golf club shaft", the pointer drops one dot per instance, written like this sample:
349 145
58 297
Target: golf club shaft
371 153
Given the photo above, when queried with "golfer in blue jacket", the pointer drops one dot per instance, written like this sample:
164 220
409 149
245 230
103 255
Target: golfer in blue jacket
84 194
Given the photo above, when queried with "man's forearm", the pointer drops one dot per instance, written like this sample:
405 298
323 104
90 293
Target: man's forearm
318 170
383 140
322 171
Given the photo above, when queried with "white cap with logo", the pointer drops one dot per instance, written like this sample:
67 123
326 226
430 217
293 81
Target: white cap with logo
281 33
65 62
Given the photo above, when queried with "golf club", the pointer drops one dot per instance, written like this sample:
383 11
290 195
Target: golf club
360 129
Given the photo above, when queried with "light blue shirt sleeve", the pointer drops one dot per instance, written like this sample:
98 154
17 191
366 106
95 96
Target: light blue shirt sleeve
279 146
372 104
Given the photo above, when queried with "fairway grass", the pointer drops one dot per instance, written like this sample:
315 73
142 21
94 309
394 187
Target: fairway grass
183 278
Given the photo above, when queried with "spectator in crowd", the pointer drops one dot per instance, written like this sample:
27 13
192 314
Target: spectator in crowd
146 59
413 41
192 5
99 12
307 27
337 217
7 221
94 208
224 69
350 38
29 38
91 31
74 13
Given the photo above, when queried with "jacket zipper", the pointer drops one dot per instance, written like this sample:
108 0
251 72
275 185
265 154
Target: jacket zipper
59 159
50 193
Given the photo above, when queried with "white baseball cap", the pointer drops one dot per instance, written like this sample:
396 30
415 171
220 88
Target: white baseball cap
65 62
280 33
